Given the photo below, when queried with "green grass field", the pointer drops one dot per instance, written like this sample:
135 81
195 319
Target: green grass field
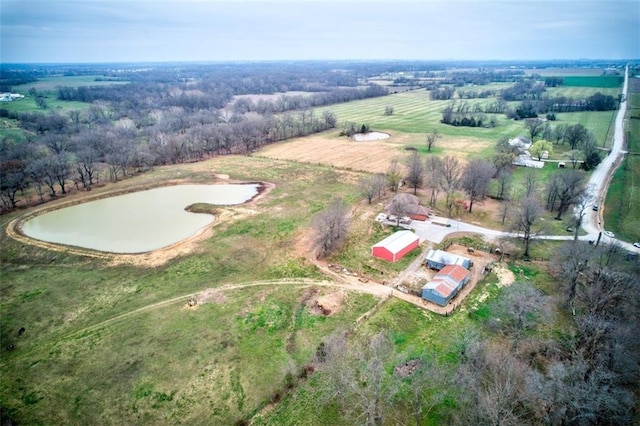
622 211
414 112
610 81
232 356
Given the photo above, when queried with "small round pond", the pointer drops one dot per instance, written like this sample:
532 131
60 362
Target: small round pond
136 222
370 136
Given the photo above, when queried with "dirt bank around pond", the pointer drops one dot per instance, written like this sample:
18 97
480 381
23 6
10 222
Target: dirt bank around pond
146 259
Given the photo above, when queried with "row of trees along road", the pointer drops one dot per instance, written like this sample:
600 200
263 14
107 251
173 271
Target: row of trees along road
159 118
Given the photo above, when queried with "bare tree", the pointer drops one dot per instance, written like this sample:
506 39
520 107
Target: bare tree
432 138
534 126
367 187
525 219
433 173
476 178
519 309
531 180
330 226
567 188
504 179
394 175
450 176
415 171
574 156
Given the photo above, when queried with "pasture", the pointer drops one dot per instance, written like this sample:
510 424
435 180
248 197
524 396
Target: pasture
622 210
103 340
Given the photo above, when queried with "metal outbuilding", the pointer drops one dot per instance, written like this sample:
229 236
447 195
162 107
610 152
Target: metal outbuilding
395 246
445 285
438 259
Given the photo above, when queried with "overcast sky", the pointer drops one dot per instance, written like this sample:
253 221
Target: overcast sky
218 30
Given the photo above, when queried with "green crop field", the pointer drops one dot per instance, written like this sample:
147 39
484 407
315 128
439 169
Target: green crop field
593 81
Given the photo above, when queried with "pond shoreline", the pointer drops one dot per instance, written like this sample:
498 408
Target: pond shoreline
147 258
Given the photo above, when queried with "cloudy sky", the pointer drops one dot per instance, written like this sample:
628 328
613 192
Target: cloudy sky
218 30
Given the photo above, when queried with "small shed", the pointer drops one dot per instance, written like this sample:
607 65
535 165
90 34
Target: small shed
445 285
395 246
438 259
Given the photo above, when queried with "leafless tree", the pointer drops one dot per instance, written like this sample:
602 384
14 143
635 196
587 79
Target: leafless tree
450 177
567 188
476 178
504 178
526 218
372 186
330 228
415 171
399 208
531 180
432 138
574 156
491 381
534 126
519 309
433 174
367 187
394 175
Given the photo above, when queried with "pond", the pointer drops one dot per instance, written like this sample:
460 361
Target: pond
370 136
136 222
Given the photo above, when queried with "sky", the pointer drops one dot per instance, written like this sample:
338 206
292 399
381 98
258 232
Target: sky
68 31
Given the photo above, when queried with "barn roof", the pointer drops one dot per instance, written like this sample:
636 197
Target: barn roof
447 280
397 241
440 256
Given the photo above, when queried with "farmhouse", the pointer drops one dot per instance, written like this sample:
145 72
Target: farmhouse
395 246
438 259
411 206
9 97
445 285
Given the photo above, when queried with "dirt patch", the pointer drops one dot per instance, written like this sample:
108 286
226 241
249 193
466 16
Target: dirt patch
505 276
327 304
210 295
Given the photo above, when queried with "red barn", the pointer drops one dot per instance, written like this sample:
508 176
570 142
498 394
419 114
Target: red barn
395 246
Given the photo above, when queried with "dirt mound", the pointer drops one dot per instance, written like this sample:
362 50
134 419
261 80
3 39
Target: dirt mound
327 304
210 295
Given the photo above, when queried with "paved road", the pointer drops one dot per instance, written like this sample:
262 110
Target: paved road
601 177
592 222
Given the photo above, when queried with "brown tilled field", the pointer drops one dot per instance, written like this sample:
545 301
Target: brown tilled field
370 156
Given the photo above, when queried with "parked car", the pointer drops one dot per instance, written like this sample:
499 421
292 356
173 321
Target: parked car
636 244
595 208
609 234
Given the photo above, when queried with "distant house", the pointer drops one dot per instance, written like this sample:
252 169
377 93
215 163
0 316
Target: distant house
445 285
438 259
521 143
8 97
412 206
395 246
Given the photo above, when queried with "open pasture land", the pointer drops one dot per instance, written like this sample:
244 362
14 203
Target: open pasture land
566 72
104 340
622 207
582 92
50 83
